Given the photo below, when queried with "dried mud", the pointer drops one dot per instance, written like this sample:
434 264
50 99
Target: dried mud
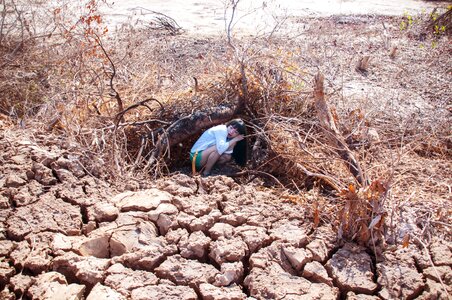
68 234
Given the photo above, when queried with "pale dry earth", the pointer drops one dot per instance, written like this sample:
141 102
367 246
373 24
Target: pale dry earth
254 16
67 233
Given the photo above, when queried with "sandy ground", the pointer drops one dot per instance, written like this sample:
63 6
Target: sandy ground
208 17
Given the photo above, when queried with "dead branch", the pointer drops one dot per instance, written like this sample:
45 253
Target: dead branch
444 19
119 116
258 173
328 179
112 76
163 21
334 136
234 4
363 64
137 123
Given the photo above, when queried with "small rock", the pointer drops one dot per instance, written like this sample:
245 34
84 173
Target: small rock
435 290
290 233
230 273
351 270
221 230
97 244
28 194
132 186
14 181
228 250
297 257
42 156
89 227
163 208
72 165
274 283
255 237
202 223
182 271
441 251
129 238
124 280
422 258
88 270
164 291
270 255
320 250
316 272
195 246
444 272
20 283
142 200
64 175
53 285
234 219
179 185
75 194
103 212
20 254
6 271
211 292
43 175
398 277
174 236
6 294
4 202
195 205
6 247
148 257
102 292
20 159
165 216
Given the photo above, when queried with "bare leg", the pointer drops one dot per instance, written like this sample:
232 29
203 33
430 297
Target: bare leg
211 160
205 155
210 157
224 158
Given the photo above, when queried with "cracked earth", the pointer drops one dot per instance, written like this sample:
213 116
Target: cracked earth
67 233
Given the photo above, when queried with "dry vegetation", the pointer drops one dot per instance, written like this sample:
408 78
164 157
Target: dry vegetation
350 116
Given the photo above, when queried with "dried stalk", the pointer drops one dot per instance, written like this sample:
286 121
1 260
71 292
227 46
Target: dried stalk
335 137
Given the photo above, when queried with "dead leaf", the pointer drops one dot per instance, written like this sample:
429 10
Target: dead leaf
406 240
375 221
316 217
364 234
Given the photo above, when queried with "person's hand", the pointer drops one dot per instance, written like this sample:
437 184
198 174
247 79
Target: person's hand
235 140
239 138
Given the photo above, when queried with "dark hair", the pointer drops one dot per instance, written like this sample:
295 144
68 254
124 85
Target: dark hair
239 125
240 150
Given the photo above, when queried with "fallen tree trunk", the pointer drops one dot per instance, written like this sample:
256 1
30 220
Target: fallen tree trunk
189 126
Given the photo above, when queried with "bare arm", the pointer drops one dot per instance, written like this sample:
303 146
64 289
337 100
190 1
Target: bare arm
234 141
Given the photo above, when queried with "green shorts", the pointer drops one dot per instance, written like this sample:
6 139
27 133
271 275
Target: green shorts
198 159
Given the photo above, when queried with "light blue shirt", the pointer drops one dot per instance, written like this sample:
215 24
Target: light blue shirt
217 136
